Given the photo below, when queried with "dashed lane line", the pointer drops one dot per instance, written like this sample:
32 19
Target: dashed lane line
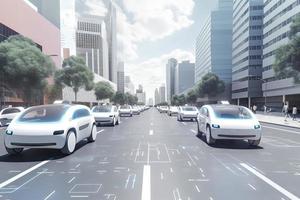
49 195
151 132
146 187
100 131
270 182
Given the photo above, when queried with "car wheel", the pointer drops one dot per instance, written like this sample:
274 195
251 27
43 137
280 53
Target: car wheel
199 133
118 121
130 115
180 117
14 151
209 139
254 143
93 135
70 143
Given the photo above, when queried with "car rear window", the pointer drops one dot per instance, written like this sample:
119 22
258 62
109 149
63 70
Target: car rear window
10 111
125 107
102 109
189 109
232 113
43 114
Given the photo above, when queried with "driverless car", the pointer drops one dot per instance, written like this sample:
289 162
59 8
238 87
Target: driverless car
55 126
8 114
187 113
136 110
228 122
163 109
173 110
106 114
125 110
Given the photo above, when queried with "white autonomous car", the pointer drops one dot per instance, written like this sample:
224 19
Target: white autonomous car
8 114
106 114
187 113
228 122
125 110
56 126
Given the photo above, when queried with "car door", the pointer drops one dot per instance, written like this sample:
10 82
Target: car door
80 119
201 119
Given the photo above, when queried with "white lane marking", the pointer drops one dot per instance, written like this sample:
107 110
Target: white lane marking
193 131
151 132
210 198
281 129
100 131
184 123
270 182
161 176
79 196
7 182
49 195
72 179
252 186
146 187
197 188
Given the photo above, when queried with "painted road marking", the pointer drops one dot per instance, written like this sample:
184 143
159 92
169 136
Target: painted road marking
72 179
197 188
281 129
146 187
48 197
151 132
270 182
193 131
252 186
9 181
100 131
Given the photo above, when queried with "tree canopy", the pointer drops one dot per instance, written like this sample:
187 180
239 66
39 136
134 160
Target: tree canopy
119 98
210 85
178 100
75 74
103 90
287 57
131 99
24 67
191 97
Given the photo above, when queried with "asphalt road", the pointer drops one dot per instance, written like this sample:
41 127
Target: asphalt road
154 157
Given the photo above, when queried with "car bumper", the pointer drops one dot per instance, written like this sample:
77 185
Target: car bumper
236 134
48 142
104 120
125 113
188 116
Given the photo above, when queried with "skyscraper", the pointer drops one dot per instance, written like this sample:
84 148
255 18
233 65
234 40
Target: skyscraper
129 86
170 78
157 96
121 78
162 93
247 51
185 77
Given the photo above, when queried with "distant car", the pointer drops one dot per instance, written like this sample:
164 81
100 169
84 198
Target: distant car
228 122
106 114
61 102
163 109
187 113
52 127
173 110
8 114
125 110
136 110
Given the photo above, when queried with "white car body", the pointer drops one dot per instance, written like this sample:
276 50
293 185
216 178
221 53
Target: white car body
173 110
106 114
125 110
8 114
50 126
228 122
187 113
136 110
163 109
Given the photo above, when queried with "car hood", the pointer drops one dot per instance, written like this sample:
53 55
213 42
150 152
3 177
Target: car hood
236 123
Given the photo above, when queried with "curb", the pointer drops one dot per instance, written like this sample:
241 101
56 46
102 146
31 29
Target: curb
283 125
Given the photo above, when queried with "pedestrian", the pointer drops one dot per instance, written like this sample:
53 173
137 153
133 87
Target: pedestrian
294 112
254 109
286 111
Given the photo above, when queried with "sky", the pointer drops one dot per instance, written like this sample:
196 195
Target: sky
152 31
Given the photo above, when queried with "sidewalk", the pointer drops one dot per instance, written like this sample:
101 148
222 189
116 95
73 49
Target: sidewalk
278 120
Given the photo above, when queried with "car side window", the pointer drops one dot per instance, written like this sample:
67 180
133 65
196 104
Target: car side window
76 114
85 112
206 112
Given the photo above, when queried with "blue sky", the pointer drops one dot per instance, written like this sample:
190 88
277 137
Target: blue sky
152 31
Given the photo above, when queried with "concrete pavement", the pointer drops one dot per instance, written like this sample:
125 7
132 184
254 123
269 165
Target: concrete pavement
278 120
155 157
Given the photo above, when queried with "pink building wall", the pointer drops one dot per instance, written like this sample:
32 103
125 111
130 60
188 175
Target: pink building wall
19 16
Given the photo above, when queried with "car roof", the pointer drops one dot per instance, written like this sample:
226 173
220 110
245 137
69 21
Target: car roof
225 106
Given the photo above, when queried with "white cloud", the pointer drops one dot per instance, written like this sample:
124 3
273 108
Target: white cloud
151 73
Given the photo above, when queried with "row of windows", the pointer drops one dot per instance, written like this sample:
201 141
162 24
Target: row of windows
279 26
249 78
284 11
277 39
274 7
237 7
241 25
267 68
254 37
256 8
238 36
91 27
255 27
246 68
252 57
247 49
90 41
240 90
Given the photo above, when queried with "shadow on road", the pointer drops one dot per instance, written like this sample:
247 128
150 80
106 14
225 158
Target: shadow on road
231 144
37 155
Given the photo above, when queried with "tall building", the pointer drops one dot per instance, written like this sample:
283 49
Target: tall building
278 16
157 97
150 102
247 52
185 77
91 43
129 86
141 95
121 77
162 93
170 78
214 45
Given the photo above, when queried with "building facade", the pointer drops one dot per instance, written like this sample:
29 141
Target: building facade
141 95
214 46
121 77
170 78
156 97
129 86
247 52
162 93
278 16
185 77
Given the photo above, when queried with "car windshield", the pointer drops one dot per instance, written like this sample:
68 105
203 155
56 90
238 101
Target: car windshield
10 111
44 114
125 107
189 109
232 113
102 109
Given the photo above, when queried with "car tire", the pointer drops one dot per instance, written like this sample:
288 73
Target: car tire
209 139
254 143
92 137
14 151
118 121
199 133
70 145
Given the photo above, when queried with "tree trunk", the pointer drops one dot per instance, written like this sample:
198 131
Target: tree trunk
75 97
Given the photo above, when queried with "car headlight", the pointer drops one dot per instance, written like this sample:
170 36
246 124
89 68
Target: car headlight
215 126
9 132
257 126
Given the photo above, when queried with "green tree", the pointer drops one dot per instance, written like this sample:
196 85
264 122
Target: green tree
131 99
287 57
119 98
75 74
24 68
210 85
191 97
103 90
54 92
178 100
